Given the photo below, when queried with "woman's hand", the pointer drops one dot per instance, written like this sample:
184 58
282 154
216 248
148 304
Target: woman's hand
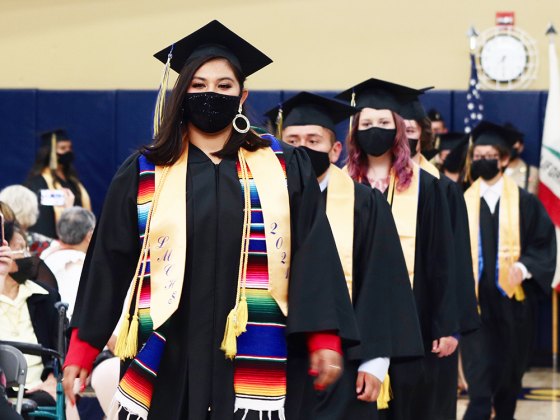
71 373
367 387
68 198
445 346
326 365
5 263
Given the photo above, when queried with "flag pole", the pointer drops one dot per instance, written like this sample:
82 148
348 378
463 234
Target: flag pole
551 33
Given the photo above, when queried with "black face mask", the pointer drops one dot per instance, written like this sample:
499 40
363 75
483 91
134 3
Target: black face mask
413 143
376 141
209 111
485 168
65 159
319 160
25 270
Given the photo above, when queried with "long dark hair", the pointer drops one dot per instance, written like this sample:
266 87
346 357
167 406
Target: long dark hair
168 146
42 160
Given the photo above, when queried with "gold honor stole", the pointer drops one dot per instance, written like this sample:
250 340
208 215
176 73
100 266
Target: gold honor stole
428 167
167 239
340 212
404 206
509 242
53 185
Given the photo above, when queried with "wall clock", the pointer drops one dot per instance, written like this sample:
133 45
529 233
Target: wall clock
507 58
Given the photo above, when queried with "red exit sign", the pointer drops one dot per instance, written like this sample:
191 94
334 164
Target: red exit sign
505 18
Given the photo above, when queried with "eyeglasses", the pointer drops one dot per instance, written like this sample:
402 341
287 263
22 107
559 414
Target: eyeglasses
486 157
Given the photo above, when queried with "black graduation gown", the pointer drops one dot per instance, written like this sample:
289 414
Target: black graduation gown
46 223
414 381
383 304
463 281
194 374
496 356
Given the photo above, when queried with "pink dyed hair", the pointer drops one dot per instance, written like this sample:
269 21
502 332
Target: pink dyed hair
402 164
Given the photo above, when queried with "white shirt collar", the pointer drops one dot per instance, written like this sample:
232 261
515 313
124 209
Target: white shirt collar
325 182
492 193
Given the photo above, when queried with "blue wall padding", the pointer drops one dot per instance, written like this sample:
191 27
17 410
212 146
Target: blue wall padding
106 126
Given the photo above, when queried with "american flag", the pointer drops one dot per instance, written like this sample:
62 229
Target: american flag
475 108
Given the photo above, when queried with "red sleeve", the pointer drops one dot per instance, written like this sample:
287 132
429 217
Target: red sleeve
324 340
80 353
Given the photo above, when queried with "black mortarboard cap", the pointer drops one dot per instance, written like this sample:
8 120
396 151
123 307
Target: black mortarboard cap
490 134
412 108
434 115
59 135
455 160
309 109
214 39
520 135
379 94
448 141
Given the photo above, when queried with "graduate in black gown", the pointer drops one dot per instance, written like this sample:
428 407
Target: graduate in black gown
195 380
418 129
379 156
514 254
369 248
54 169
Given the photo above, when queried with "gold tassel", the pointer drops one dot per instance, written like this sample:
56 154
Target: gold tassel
468 160
229 343
385 394
122 337
352 103
242 316
53 160
162 93
132 341
279 122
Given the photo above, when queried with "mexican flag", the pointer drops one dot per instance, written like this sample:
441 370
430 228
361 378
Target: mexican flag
549 171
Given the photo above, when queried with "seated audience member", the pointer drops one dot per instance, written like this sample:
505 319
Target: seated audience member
27 314
25 207
66 258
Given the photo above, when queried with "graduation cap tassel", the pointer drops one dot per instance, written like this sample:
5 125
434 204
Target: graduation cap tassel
468 160
352 103
53 160
160 101
279 122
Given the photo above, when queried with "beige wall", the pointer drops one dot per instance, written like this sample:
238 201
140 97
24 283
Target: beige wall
316 44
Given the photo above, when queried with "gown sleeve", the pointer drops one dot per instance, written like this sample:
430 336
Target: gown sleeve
318 297
383 300
538 241
110 260
463 277
437 261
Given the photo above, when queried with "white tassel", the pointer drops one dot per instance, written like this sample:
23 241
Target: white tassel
245 415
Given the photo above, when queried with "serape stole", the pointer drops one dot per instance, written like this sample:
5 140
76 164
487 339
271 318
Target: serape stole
260 363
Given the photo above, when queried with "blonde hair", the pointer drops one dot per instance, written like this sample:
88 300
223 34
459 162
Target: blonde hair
23 202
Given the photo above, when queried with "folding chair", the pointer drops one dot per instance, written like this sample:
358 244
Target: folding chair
14 366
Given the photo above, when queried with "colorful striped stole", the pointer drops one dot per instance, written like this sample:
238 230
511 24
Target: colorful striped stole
135 390
260 363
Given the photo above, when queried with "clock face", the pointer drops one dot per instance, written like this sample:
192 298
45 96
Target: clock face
507 58
503 58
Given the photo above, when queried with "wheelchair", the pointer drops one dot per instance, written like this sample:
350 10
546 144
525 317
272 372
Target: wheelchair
14 365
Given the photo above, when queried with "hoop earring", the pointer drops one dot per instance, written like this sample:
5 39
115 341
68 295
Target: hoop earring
244 118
